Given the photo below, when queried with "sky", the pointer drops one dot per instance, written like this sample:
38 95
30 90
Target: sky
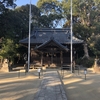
24 2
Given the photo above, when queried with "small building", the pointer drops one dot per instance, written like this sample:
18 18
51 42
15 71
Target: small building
51 47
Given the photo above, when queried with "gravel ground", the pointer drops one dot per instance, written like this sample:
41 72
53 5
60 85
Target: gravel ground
77 88
18 86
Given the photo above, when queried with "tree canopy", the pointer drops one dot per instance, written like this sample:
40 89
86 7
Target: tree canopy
6 4
51 12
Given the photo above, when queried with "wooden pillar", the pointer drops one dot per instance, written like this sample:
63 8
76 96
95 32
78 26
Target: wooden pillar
41 59
61 57
51 58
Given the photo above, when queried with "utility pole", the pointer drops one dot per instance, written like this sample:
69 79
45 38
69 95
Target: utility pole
71 37
29 36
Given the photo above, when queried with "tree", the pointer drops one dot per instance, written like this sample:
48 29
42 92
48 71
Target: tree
95 45
89 18
8 49
6 4
15 22
14 27
85 20
51 13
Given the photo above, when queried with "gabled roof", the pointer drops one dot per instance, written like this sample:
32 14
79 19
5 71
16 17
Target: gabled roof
52 42
41 35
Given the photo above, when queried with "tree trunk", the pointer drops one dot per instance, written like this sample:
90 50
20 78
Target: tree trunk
86 54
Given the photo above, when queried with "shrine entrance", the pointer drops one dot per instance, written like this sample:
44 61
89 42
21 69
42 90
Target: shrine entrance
52 53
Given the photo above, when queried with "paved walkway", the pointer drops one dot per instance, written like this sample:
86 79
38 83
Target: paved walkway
51 88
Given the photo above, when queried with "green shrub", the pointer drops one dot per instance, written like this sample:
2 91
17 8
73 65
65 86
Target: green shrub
85 62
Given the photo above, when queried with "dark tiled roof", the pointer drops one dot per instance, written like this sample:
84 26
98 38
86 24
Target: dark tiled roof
42 35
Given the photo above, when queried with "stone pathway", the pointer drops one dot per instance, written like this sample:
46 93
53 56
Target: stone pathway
51 88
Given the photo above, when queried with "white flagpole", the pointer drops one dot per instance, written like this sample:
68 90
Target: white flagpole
29 36
71 38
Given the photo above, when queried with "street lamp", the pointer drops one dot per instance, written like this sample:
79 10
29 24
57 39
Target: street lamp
29 36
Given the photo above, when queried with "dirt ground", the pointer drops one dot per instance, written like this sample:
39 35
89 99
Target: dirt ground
79 88
18 86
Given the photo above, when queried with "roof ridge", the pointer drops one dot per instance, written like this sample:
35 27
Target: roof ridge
53 28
